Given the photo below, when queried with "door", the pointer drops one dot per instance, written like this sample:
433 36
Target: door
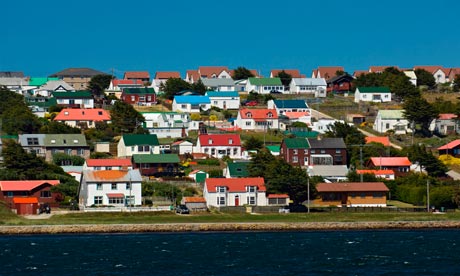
237 200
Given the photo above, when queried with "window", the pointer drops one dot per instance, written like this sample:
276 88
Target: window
114 186
81 151
210 141
75 141
295 159
305 151
130 200
108 168
251 200
99 186
32 141
98 200
323 151
363 195
338 151
221 189
45 194
250 189
220 200
9 194
116 200
145 166
213 151
97 168
377 194
313 151
230 141
248 123
215 102
68 151
235 151
294 151
53 141
143 148
128 186
133 98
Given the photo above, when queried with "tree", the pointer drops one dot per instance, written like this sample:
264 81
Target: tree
58 127
456 82
425 78
299 125
350 134
198 87
285 78
419 112
99 83
125 118
241 73
419 154
174 85
252 143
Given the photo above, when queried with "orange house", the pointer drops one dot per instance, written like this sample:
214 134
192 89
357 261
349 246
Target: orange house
352 194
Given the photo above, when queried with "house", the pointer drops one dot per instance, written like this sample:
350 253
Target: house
139 96
352 194
198 176
224 192
327 151
236 169
191 104
130 144
313 86
264 85
194 204
162 76
39 105
385 174
322 125
214 72
340 84
79 99
219 145
224 100
157 165
326 72
359 73
257 119
83 118
142 76
33 143
226 84
400 165
167 124
384 140
78 78
18 85
391 120
74 171
117 188
278 199
51 86
107 164
25 196
274 149
182 147
446 124
9 74
192 76
294 73
330 173
453 72
295 151
282 106
439 73
451 148
372 94
116 86
356 119
291 117
412 76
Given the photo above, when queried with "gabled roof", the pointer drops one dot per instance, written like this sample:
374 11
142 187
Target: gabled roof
136 75
352 187
55 84
73 95
181 142
106 162
24 185
140 139
221 94
238 169
155 158
208 71
220 140
373 89
390 161
65 140
430 68
450 145
290 103
327 72
85 114
193 74
296 143
235 185
167 75
295 73
139 91
309 81
40 81
358 73
265 81
77 72
195 199
192 99
384 140
112 176
327 143
22 138
391 114
117 82
273 148
380 69
342 78
447 116
217 82
262 113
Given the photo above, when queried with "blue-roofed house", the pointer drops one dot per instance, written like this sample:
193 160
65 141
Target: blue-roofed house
283 106
191 103
224 99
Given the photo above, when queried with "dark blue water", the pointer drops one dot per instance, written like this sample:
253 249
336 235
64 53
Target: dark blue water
286 253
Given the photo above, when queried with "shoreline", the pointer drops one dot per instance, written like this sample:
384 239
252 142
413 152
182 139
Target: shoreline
223 227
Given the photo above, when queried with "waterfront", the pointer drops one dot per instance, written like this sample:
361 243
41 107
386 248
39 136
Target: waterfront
370 252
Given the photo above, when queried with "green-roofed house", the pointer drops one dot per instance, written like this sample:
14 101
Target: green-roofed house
376 94
301 133
157 164
139 96
131 144
391 120
236 169
78 99
295 151
264 85
274 149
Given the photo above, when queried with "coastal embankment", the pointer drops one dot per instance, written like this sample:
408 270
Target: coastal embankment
218 227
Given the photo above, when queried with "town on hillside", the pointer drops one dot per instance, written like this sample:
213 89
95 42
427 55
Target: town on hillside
231 140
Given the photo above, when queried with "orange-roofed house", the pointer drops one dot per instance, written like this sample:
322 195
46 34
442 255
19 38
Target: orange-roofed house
257 119
326 72
352 194
224 192
295 73
118 188
214 72
162 77
143 76
400 165
219 145
108 164
83 118
195 203
439 73
452 148
385 174
384 140
446 124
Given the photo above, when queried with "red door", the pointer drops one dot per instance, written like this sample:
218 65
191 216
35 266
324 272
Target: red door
237 200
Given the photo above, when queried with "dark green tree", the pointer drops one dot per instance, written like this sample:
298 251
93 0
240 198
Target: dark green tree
16 117
125 119
252 143
285 78
99 83
419 154
199 87
174 85
425 78
420 113
456 82
58 127
241 73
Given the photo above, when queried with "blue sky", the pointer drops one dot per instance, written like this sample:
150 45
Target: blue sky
44 37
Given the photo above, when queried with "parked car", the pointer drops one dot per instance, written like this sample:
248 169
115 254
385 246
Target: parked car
182 209
276 92
251 103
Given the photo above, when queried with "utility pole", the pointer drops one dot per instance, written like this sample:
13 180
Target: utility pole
428 195
308 194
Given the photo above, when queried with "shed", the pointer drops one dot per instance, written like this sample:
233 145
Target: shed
194 203
25 205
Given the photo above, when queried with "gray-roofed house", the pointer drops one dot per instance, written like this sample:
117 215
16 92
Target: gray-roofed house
224 99
283 106
57 86
391 120
33 143
327 151
329 173
131 144
9 74
70 144
218 84
78 78
18 85
157 165
315 86
236 169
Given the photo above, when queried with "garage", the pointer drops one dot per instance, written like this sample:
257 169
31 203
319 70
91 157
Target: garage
25 205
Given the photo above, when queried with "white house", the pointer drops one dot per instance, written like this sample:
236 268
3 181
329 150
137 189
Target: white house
322 125
315 86
223 192
391 120
282 106
224 100
191 104
130 144
219 84
412 76
219 145
78 99
113 187
372 94
264 85
83 118
182 147
257 119
167 124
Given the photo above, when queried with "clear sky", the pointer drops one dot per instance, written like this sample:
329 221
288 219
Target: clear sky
44 37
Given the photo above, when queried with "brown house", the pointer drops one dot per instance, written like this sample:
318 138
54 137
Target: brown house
139 96
327 151
352 194
143 76
78 78
295 151
340 84
157 164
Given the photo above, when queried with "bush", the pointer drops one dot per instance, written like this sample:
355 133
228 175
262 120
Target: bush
209 162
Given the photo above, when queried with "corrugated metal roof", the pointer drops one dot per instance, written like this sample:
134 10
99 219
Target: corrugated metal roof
265 81
296 143
192 99
373 89
238 169
65 140
328 170
156 158
112 175
140 139
216 94
309 81
217 82
290 103
391 114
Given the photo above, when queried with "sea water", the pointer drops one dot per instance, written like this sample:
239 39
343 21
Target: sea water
388 252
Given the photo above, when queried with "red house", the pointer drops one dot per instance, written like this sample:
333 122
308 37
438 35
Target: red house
143 76
340 83
139 96
400 165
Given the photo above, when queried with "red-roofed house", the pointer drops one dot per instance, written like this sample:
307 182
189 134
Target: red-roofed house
257 119
107 164
116 86
352 194
452 148
192 76
440 73
386 174
384 140
400 165
83 118
219 145
214 72
452 73
143 76
38 189
446 124
326 72
223 192
295 73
